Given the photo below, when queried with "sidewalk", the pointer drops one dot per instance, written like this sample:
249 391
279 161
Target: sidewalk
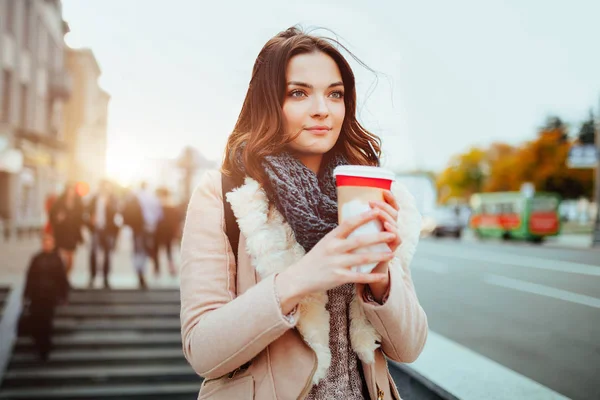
15 256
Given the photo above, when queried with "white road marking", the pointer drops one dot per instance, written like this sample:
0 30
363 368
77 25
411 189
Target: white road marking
431 265
518 261
471 376
541 290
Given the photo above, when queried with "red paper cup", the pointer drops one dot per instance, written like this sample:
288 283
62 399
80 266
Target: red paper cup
360 183
356 186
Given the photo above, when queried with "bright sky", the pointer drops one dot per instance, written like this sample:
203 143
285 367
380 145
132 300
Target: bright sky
452 73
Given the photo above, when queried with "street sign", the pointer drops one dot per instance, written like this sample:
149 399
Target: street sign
583 156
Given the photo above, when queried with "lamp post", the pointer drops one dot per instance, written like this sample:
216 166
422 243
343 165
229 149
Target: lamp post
596 237
187 162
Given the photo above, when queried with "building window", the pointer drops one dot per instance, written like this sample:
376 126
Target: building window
24 97
10 17
26 29
41 124
43 44
6 85
50 116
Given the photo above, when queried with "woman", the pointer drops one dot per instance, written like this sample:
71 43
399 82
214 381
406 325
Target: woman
66 218
291 320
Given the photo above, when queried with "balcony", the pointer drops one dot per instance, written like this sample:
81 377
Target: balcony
60 85
41 138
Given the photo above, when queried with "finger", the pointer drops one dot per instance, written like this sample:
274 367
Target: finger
384 216
397 241
349 225
385 207
389 197
359 241
352 260
360 277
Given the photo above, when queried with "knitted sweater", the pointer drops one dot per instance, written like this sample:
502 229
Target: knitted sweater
344 378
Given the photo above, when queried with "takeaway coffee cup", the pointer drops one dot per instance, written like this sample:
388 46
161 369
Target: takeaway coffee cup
356 186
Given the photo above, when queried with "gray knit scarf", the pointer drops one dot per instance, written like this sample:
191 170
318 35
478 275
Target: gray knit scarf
307 201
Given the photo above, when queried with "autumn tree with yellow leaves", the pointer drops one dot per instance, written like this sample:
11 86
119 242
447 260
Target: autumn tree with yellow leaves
502 167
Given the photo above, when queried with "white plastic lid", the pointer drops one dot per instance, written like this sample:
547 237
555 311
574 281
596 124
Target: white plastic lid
364 171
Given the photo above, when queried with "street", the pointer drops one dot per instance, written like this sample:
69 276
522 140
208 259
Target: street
534 310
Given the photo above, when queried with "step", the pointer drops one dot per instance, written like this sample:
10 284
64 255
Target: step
101 340
83 311
64 324
124 297
99 357
169 391
93 375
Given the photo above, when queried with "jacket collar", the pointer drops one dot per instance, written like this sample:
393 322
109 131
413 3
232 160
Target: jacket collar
272 248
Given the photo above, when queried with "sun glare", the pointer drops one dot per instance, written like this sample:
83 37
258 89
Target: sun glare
124 165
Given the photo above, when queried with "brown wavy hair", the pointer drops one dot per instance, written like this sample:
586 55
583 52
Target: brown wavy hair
259 130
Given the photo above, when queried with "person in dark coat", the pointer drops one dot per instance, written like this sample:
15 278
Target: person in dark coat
166 230
100 219
46 286
66 218
134 218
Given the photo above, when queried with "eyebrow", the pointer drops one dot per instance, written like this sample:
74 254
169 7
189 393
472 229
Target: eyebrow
309 86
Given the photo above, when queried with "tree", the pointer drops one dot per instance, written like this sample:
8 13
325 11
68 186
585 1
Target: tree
587 132
503 167
503 162
464 176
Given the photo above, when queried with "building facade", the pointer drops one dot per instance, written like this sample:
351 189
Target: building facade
34 85
85 119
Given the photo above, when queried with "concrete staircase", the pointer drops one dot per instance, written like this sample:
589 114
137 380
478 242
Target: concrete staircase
120 344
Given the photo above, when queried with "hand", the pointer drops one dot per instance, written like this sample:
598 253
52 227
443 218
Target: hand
328 264
388 213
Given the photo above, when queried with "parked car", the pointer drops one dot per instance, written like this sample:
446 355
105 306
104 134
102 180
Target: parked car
447 221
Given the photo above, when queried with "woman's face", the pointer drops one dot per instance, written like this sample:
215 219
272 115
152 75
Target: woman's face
313 108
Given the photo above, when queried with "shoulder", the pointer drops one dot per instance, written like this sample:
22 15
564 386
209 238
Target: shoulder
208 190
36 257
209 185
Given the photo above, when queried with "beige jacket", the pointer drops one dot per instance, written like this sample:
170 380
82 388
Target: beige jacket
230 316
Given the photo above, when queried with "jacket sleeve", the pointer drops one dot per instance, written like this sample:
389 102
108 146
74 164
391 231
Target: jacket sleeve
400 320
220 332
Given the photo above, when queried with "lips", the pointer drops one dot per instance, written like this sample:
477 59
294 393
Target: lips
319 129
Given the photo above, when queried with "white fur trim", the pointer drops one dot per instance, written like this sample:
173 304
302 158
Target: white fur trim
363 336
409 223
272 248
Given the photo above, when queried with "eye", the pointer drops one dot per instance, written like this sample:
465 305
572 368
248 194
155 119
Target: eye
338 94
297 93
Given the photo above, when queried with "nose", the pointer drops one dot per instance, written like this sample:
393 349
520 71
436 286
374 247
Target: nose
320 108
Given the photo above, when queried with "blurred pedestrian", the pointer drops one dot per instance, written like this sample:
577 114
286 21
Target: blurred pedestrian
66 218
166 230
134 218
48 204
142 213
297 306
101 213
46 286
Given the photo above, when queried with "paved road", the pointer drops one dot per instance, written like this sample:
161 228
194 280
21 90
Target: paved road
535 310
